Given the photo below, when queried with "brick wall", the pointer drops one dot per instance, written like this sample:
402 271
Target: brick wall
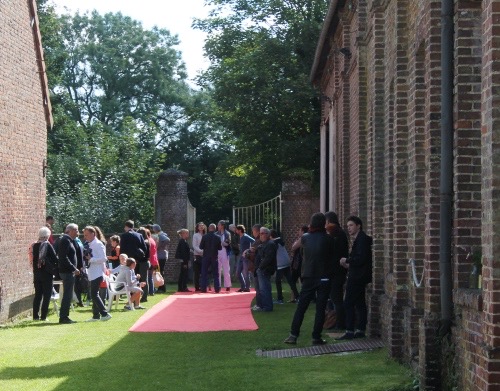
387 104
171 213
22 152
298 206
488 371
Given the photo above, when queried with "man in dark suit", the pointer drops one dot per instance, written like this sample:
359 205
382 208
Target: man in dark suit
359 274
210 244
132 244
68 269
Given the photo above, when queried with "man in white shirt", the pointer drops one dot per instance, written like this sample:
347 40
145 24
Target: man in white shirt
96 258
223 256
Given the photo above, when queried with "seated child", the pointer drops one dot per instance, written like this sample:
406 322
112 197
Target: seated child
128 277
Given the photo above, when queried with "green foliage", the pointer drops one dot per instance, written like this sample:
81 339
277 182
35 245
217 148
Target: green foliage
261 54
119 96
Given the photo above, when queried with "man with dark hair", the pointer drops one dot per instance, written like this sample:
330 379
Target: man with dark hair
359 274
68 269
242 269
211 245
339 274
223 256
318 250
265 267
49 223
132 244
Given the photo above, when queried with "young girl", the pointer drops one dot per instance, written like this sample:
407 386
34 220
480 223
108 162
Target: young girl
182 254
114 258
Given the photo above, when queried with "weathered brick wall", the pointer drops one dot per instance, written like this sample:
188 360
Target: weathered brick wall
488 372
171 213
389 125
22 152
298 206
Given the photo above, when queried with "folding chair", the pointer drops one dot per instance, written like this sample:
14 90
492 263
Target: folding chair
114 293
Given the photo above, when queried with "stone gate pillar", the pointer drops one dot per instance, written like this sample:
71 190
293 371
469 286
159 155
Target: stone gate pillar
299 204
171 204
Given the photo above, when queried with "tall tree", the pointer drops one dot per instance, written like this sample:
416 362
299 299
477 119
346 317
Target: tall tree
261 53
119 93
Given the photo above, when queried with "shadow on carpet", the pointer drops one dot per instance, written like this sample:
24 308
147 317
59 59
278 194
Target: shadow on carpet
199 312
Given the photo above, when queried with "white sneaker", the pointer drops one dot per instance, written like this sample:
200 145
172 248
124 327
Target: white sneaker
256 308
107 317
92 320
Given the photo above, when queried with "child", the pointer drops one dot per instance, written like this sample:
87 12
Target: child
114 258
128 277
123 261
182 254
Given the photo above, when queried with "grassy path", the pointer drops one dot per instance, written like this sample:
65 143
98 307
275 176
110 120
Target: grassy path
105 356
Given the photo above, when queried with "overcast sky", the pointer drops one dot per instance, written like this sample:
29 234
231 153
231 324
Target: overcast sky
174 15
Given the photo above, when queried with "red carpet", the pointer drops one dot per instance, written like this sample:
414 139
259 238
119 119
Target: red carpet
199 312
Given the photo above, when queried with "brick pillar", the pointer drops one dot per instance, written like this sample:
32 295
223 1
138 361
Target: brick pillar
375 153
171 204
488 376
396 225
298 205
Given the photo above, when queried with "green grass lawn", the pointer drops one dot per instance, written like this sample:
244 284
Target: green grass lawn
105 356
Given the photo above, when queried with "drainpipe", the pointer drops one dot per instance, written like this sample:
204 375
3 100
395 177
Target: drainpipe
446 185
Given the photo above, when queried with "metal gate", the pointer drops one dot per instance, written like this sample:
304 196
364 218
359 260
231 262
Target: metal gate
268 213
190 218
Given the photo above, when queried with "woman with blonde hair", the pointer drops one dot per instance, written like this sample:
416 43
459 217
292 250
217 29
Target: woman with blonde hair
43 259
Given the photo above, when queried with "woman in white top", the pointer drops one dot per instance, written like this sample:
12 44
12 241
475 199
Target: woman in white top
128 277
95 256
200 230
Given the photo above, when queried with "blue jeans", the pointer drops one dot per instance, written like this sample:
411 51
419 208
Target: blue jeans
312 288
242 272
265 290
68 280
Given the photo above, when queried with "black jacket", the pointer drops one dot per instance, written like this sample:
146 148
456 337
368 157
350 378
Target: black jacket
210 244
183 251
318 252
341 249
50 265
132 244
360 259
265 258
66 252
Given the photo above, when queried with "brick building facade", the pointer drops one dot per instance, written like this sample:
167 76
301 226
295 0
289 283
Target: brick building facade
378 66
24 118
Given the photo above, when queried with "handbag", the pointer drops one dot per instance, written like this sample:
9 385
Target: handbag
158 280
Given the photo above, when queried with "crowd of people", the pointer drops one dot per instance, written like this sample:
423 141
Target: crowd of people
332 272
83 266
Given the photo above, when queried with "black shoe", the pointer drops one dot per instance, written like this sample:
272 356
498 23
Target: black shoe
79 304
144 300
239 290
203 291
347 336
359 334
291 340
319 342
217 290
246 290
228 289
66 321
